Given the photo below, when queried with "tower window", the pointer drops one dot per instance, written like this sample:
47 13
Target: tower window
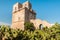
18 18
25 4
15 8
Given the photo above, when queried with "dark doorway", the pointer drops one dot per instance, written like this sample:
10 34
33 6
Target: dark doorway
40 26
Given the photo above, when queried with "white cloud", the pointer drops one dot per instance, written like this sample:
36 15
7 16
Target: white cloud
2 23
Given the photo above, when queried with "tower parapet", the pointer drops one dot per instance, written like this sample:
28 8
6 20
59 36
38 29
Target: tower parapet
17 7
27 4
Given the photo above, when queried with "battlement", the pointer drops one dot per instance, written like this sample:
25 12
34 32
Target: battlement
19 6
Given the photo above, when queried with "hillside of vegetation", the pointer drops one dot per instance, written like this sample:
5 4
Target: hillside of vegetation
52 33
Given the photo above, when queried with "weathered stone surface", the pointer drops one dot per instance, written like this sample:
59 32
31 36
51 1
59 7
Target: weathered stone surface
23 13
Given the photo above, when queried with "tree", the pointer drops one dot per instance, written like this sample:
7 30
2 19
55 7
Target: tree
29 26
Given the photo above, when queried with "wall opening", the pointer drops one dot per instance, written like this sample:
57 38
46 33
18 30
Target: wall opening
40 26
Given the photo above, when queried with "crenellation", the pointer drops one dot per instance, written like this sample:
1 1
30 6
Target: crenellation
27 5
17 6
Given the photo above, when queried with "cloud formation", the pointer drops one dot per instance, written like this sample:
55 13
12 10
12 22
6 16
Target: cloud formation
2 23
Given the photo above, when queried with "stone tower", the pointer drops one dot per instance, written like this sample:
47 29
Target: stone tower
22 13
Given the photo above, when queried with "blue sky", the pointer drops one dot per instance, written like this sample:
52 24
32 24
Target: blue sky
48 10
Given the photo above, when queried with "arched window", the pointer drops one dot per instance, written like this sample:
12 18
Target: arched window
15 8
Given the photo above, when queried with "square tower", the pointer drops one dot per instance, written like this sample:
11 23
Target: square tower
22 13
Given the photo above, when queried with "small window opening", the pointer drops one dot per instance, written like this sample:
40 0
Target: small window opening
18 18
15 8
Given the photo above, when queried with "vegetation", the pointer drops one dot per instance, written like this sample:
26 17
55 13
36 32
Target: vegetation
29 26
52 33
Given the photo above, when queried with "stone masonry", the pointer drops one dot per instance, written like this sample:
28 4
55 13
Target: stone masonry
24 13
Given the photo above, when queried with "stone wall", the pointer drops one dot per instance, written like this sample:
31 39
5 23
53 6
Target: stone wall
37 23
